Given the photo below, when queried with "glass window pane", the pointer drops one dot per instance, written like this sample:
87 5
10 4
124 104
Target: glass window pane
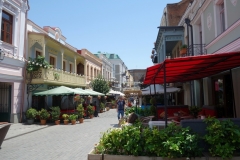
8 27
8 38
3 27
2 36
6 16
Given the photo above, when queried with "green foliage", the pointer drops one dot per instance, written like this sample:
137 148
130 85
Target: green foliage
223 137
43 114
31 113
129 111
55 112
65 116
183 46
100 85
56 76
102 106
194 110
153 140
80 110
172 142
125 141
180 142
73 117
90 110
35 64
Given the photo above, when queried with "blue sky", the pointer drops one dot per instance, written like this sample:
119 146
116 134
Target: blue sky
124 27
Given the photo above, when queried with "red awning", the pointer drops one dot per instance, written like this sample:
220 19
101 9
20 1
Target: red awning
191 68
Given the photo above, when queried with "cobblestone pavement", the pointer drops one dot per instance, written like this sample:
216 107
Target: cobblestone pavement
56 142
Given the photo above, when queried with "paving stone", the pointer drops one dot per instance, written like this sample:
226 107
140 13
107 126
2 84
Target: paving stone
50 142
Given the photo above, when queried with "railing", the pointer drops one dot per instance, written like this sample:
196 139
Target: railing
56 76
198 49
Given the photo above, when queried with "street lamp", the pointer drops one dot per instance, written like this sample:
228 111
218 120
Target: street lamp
1 55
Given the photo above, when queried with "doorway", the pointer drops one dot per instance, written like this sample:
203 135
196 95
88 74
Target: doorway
223 96
5 102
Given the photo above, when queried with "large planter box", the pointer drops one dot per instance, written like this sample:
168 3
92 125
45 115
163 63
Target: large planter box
92 156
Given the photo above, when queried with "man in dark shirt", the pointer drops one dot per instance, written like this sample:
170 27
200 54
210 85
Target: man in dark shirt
120 107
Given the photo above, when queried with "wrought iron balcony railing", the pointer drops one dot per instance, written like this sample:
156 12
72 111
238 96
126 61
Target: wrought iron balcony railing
196 49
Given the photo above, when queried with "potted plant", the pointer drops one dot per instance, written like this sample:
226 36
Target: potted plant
80 111
31 113
101 107
65 118
183 49
113 103
73 118
43 115
194 110
90 111
55 113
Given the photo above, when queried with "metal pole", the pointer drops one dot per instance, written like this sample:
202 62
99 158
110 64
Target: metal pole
155 99
234 106
150 89
165 95
187 39
192 53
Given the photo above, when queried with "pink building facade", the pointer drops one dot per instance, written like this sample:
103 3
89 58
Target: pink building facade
12 62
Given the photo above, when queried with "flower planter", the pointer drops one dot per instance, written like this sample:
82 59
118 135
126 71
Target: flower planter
92 156
30 121
57 122
65 122
183 51
91 116
43 121
81 120
73 122
101 111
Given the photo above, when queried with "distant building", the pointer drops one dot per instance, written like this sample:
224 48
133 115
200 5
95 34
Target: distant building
119 70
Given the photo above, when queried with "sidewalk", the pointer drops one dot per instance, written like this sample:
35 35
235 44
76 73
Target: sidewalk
50 142
18 129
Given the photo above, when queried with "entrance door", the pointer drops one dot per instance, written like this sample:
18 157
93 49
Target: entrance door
5 102
223 96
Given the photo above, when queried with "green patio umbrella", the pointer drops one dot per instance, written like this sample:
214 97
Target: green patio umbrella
85 92
62 90
95 92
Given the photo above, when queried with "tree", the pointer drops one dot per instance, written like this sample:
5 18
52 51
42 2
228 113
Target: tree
100 85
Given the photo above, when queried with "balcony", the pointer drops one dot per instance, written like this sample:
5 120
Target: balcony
57 77
198 49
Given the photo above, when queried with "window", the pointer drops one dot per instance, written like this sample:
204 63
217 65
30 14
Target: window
6 34
222 17
70 68
52 61
38 54
64 66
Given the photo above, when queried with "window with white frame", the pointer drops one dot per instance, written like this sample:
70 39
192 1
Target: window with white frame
219 16
6 29
52 61
222 17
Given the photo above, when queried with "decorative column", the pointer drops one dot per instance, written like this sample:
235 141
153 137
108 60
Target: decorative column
62 53
44 48
75 65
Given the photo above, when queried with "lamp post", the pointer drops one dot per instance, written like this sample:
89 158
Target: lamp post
1 55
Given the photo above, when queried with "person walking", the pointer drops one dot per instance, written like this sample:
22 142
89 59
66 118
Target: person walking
120 107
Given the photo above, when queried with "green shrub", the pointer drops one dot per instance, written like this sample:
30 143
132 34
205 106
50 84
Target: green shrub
65 116
72 117
223 137
31 113
55 113
80 110
90 110
43 114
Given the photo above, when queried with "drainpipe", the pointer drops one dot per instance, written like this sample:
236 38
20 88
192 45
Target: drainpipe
24 69
165 14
